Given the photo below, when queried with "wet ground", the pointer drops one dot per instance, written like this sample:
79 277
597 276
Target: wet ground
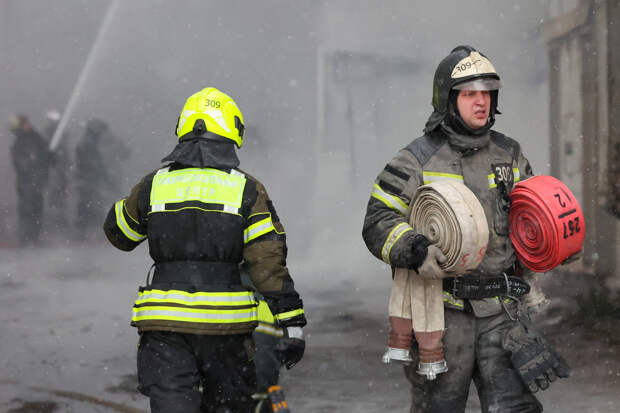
66 344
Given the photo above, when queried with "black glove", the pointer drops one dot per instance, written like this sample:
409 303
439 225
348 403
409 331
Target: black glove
419 250
290 349
535 360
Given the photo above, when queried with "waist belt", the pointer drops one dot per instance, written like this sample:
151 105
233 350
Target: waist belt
196 273
477 288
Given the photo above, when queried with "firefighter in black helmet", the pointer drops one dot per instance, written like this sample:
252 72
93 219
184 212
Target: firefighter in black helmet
203 217
487 340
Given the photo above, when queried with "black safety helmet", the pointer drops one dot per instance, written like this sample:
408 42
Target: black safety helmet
463 68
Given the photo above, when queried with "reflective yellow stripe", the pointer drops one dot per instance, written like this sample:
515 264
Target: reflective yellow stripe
256 230
394 236
516 174
429 177
199 298
195 315
491 178
450 299
206 185
389 200
290 314
121 222
264 313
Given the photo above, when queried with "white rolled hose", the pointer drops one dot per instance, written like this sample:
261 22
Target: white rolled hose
451 217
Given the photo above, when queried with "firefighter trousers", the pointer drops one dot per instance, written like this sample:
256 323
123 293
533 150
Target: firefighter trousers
473 350
189 373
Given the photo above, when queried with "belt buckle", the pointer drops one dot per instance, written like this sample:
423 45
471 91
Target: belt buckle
455 281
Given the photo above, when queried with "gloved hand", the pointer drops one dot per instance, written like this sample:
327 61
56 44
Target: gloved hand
290 349
535 360
430 266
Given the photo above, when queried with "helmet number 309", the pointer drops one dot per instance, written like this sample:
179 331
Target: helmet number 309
212 103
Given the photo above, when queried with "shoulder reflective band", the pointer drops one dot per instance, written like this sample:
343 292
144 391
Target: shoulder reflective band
515 174
389 200
256 230
210 186
289 314
394 236
429 177
264 314
121 222
201 298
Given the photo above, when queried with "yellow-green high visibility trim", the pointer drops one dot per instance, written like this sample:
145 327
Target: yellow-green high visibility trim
240 298
257 229
429 177
264 313
289 314
491 178
449 299
121 222
516 174
391 201
393 236
194 315
206 185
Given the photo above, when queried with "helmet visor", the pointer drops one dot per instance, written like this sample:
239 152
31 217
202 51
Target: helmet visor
485 83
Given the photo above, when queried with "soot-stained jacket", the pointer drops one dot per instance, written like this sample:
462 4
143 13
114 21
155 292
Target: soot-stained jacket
489 172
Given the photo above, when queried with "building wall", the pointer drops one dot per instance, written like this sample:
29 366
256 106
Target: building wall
583 108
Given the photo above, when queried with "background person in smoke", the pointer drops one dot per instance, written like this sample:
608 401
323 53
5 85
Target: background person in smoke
91 178
484 340
203 217
57 192
31 160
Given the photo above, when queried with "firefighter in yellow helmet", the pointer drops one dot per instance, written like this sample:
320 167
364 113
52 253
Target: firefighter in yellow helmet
203 217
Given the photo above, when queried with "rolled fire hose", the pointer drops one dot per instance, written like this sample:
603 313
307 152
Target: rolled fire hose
546 223
451 217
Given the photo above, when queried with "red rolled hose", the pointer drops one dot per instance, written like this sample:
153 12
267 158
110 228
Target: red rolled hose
546 222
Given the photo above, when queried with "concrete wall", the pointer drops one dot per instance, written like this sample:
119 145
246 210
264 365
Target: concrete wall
582 41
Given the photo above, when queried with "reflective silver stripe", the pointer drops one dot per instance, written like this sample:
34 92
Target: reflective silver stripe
230 209
389 200
394 235
123 225
237 173
268 329
182 297
197 315
256 230
429 177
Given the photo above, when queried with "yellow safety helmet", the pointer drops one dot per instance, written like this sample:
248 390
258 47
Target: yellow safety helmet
211 111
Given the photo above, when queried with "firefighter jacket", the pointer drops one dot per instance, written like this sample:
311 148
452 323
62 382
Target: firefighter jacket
488 170
201 223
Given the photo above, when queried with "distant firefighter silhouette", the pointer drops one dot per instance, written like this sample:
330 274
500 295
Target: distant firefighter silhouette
31 162
91 178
